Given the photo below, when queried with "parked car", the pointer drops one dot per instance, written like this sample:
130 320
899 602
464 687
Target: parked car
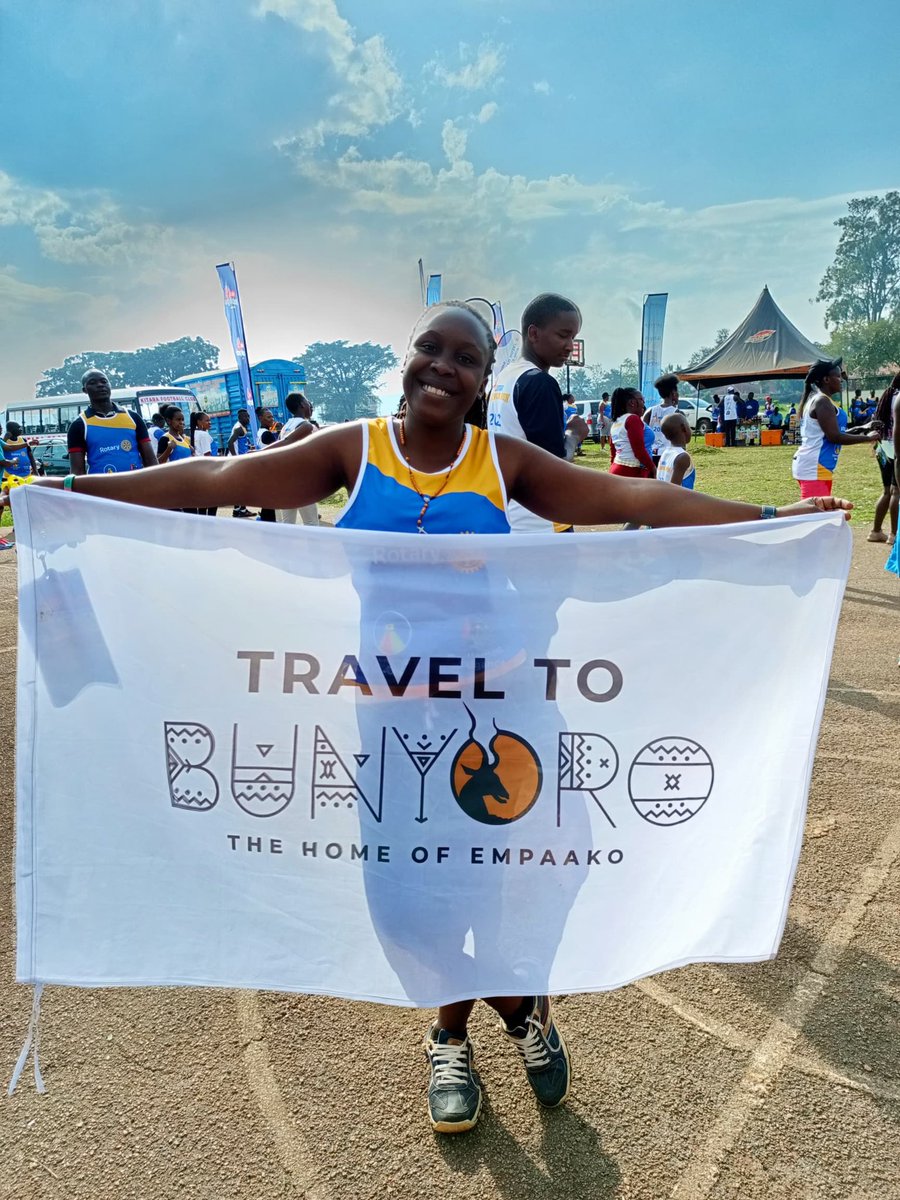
699 415
53 457
594 421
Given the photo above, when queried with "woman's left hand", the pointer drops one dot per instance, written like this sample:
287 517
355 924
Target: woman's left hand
814 504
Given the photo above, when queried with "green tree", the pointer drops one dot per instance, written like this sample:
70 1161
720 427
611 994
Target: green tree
162 363
624 375
584 382
867 347
863 282
341 378
591 381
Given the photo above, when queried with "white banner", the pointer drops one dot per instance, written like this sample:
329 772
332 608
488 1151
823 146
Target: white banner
409 769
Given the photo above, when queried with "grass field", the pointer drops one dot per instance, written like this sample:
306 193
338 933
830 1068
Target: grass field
760 474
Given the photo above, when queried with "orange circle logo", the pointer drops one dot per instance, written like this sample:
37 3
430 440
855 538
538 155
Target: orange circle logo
497 785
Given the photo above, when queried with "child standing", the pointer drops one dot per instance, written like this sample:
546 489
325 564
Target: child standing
675 463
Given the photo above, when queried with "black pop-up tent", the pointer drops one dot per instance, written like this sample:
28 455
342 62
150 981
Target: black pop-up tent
764 346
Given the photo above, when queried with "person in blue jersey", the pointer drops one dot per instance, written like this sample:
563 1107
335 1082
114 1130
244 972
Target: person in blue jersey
715 413
675 463
432 470
18 465
239 442
156 429
266 437
174 445
16 458
106 439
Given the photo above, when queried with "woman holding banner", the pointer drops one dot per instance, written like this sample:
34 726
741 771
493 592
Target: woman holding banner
435 470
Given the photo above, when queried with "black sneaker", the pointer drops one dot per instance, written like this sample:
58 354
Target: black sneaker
454 1093
546 1058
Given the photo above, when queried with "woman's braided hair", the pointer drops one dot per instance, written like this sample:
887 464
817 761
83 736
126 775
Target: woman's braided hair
618 403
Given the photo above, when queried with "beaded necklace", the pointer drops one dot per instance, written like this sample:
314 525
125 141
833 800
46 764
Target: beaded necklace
426 499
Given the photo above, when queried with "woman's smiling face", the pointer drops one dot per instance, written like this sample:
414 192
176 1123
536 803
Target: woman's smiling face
446 365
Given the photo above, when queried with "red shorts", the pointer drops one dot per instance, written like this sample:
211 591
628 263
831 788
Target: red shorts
633 472
814 487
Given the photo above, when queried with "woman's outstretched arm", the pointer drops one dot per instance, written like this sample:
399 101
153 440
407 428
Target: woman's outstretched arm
572 495
297 475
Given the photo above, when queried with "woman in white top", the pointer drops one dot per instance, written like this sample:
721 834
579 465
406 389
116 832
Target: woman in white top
299 426
886 416
823 430
201 443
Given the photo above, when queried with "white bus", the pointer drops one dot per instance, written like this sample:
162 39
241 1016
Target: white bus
48 418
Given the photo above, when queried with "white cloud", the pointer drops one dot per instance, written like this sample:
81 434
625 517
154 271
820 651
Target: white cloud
477 68
18 297
487 112
454 196
542 87
83 229
453 140
369 88
514 235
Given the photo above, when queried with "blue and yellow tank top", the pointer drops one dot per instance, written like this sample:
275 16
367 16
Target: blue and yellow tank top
383 498
110 442
16 452
181 447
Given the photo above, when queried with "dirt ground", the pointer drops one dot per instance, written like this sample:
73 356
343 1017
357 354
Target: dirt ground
771 1081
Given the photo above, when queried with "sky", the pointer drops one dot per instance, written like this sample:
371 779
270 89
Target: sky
601 148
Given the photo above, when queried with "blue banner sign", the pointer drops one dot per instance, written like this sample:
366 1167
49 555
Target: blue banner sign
652 326
433 291
235 320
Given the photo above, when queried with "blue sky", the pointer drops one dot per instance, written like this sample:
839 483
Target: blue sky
603 148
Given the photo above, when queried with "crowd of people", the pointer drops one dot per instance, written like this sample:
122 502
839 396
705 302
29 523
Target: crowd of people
396 471
641 438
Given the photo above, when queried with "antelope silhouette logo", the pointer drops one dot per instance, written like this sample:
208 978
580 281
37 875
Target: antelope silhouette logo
497 785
